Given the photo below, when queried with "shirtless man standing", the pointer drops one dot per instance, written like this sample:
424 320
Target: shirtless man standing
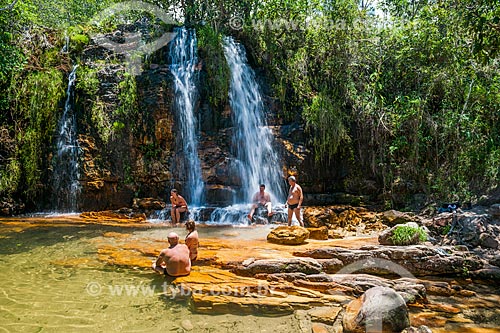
261 198
294 201
173 261
179 205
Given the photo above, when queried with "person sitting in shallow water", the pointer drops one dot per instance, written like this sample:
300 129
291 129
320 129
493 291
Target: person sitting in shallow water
192 240
179 205
173 261
261 199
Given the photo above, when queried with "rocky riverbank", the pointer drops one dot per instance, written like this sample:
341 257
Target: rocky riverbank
449 281
332 283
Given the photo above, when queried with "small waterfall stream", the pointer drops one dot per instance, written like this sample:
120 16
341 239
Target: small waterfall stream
257 161
66 186
184 58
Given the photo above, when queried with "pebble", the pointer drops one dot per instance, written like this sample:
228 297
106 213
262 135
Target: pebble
187 325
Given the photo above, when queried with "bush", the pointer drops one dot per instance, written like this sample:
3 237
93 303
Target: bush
406 235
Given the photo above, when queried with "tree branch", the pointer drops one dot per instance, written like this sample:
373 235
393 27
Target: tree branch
9 7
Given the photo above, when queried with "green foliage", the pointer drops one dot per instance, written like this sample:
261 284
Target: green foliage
118 126
326 120
101 120
10 177
415 99
151 151
59 14
128 107
87 82
36 99
405 235
218 74
78 42
12 61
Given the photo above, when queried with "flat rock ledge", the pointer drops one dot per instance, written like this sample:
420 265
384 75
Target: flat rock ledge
417 260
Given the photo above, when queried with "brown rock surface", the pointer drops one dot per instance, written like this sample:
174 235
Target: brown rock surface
286 235
320 233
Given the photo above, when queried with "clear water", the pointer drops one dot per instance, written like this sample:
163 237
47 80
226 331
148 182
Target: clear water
66 168
52 281
257 161
183 62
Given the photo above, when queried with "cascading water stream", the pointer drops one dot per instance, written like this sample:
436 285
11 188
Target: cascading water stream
66 186
257 161
184 60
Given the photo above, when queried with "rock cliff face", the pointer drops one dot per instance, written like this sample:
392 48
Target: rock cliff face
130 147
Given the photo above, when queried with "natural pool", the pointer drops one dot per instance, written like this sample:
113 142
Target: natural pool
53 280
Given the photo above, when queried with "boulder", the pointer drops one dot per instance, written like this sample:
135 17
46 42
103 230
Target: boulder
393 217
473 230
378 308
318 233
316 217
387 236
491 273
495 260
488 241
495 210
286 235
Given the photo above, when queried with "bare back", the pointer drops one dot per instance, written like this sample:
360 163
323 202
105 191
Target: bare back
177 260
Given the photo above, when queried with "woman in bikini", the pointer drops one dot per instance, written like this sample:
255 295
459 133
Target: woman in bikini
179 205
192 240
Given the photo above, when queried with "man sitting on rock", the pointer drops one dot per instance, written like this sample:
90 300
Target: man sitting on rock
261 198
173 261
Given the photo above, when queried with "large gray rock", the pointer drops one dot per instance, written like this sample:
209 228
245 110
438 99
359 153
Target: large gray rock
378 308
272 266
473 230
495 210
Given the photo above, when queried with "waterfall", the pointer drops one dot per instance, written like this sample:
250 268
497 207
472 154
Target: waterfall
66 169
184 59
257 161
